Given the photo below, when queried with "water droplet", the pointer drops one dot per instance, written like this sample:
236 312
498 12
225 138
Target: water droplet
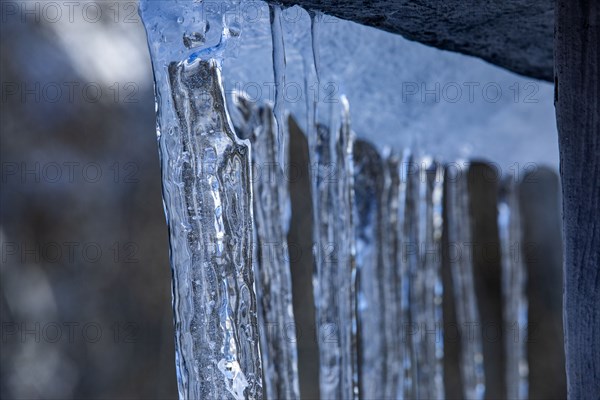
180 20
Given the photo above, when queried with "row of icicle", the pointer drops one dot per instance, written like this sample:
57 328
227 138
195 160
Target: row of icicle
367 289
378 241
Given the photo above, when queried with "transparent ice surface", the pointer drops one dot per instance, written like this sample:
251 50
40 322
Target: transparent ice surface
272 265
427 283
467 312
335 275
461 106
207 192
514 279
367 284
369 232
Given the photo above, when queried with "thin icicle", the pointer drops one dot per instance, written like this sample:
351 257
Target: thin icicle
467 313
330 152
274 286
326 310
335 276
436 277
424 256
347 251
431 321
514 277
421 324
369 231
413 278
391 281
315 16
314 141
279 64
406 222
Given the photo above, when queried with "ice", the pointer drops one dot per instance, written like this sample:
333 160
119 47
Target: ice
405 199
377 212
392 262
207 193
513 290
273 285
426 282
334 280
279 64
376 71
331 144
467 313
369 232
216 195
347 252
405 93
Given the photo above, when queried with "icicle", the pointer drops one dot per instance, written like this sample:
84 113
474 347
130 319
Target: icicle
279 64
219 334
435 270
335 275
324 285
313 66
274 286
207 193
347 251
424 257
407 390
419 316
392 278
431 324
513 292
311 80
330 152
412 278
467 314
315 16
369 231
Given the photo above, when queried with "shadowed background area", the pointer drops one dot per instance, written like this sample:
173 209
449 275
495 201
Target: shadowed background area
86 302
85 291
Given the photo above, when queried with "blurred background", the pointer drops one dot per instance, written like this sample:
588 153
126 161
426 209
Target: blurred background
85 281
86 300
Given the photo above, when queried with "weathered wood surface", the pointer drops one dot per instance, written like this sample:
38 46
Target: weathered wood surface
577 100
514 34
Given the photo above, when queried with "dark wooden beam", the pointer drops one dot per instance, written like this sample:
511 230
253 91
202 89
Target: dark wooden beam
577 100
513 34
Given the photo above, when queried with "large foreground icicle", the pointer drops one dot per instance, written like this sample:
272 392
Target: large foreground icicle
513 291
207 193
467 313
274 286
217 333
